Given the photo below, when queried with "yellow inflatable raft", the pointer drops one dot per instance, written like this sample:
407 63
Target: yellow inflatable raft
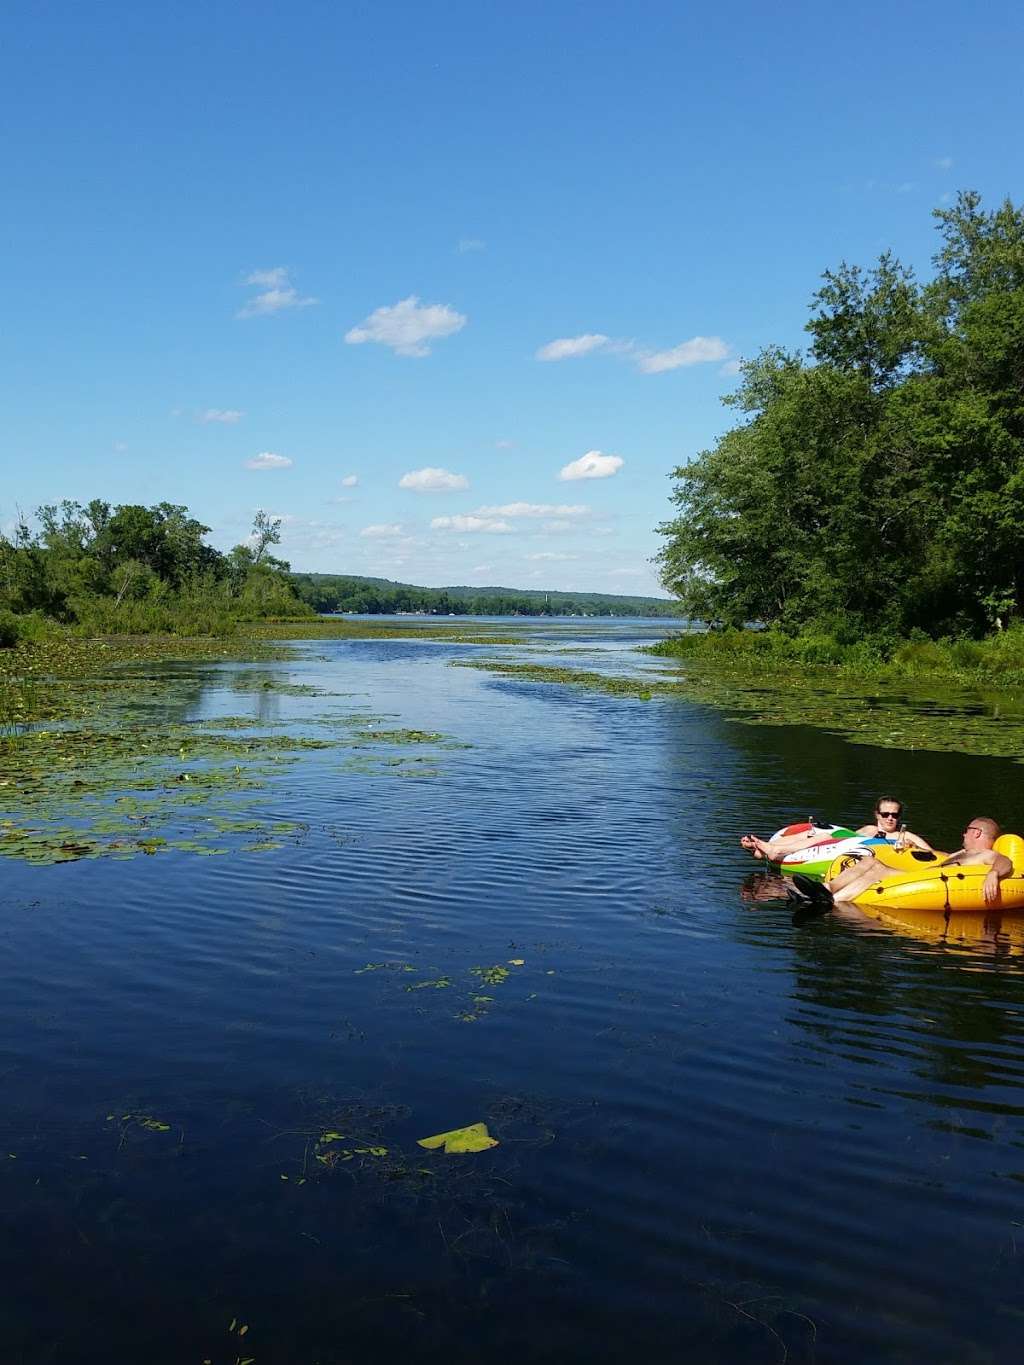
906 859
926 885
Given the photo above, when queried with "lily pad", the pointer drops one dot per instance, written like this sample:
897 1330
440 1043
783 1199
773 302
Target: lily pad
474 1138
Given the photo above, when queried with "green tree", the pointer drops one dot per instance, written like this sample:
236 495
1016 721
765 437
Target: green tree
878 483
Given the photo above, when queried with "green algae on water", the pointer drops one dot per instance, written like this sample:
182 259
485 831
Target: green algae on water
889 715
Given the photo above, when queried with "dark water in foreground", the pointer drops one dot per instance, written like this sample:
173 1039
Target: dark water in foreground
723 1137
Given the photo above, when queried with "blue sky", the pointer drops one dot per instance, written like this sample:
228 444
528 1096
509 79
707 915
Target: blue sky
315 258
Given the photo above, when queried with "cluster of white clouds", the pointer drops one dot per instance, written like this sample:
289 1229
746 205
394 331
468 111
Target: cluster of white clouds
407 326
410 327
697 351
432 479
276 293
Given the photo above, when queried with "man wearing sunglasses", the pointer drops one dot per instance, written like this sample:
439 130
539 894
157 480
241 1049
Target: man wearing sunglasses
979 836
887 825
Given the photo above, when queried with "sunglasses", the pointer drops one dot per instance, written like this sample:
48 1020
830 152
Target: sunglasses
973 829
888 814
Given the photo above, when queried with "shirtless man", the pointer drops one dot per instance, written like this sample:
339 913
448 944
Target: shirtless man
979 836
888 818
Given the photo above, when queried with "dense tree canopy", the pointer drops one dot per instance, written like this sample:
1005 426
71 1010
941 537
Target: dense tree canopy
877 482
133 568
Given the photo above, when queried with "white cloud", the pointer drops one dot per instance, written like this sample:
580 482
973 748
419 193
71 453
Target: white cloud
592 465
431 480
470 244
407 326
550 554
461 523
693 352
227 415
624 573
567 348
553 527
268 460
730 368
278 293
382 531
482 568
906 187
535 509
944 163
350 481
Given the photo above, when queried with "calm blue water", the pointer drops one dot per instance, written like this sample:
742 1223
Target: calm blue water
724 1137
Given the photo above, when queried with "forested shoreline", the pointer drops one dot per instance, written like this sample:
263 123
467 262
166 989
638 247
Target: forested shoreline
133 570
98 569
381 596
871 499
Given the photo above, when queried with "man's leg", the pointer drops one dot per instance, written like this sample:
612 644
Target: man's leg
848 888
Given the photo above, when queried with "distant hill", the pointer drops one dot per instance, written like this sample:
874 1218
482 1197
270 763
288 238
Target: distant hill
351 592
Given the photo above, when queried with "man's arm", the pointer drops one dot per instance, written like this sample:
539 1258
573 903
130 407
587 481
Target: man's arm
999 866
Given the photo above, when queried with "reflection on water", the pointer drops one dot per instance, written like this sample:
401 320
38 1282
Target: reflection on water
727 1132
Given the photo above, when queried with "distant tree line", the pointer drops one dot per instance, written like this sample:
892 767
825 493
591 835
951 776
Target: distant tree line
875 484
137 569
331 593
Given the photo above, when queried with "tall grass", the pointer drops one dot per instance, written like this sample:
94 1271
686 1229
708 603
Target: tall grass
996 660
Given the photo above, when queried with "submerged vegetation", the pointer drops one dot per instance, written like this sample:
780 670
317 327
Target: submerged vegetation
891 712
105 757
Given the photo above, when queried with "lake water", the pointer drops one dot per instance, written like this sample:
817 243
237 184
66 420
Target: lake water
723 1136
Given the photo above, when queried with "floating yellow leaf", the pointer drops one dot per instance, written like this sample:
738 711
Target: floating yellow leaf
517 962
475 1138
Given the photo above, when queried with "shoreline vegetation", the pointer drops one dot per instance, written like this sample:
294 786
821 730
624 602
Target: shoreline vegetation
867 509
896 712
994 662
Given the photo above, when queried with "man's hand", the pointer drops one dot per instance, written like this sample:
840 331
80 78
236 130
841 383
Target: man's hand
991 887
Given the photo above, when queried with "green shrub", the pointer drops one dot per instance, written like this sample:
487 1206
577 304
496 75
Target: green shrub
925 656
10 630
